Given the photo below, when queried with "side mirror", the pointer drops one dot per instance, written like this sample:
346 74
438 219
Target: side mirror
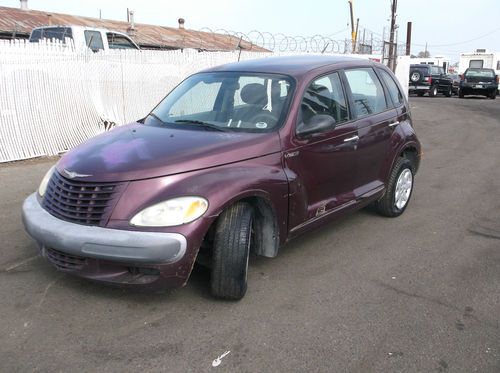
317 123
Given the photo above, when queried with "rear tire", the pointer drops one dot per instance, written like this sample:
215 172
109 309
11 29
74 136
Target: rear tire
433 91
449 92
232 242
398 190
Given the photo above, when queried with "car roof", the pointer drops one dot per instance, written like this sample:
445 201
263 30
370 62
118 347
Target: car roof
289 65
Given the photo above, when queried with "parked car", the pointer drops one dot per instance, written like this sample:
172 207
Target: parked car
429 79
84 37
455 81
237 159
477 81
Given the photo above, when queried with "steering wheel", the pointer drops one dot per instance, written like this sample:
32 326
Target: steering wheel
264 120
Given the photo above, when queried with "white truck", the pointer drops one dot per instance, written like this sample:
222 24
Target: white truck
83 37
481 58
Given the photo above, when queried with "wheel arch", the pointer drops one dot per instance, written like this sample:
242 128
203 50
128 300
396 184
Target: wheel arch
266 221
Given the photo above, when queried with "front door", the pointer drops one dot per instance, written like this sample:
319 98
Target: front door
321 166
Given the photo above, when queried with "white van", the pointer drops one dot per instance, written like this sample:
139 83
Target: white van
84 37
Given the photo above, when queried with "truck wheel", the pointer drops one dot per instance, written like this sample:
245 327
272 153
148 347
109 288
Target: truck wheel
232 242
433 91
449 92
398 189
493 95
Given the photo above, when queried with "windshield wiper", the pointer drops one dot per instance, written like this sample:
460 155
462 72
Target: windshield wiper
202 124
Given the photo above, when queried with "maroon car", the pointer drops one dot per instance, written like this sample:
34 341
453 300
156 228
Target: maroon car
237 159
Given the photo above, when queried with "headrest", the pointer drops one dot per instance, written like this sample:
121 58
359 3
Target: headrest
254 94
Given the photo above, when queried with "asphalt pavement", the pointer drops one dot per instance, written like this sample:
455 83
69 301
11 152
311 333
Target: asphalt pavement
419 293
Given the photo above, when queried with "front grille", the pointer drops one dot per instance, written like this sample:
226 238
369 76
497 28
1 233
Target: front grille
65 261
79 202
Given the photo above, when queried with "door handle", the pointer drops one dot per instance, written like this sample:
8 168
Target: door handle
354 138
394 124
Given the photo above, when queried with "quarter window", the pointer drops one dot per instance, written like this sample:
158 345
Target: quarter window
325 96
367 91
394 92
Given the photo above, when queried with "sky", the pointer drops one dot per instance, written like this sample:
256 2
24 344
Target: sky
449 27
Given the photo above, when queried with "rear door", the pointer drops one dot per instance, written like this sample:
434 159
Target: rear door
376 118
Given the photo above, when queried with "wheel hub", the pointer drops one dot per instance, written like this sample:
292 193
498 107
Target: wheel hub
403 188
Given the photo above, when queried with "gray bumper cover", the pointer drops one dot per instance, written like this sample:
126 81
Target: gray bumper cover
101 243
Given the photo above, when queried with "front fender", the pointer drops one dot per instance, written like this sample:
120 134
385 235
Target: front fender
222 186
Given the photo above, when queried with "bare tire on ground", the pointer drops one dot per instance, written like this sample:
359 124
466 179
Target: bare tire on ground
398 190
232 242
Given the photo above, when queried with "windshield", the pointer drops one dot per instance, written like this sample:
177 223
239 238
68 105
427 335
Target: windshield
226 101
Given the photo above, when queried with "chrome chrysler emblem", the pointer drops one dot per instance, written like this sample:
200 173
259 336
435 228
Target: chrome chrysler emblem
72 174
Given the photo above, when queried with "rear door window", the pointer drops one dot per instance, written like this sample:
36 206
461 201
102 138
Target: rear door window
117 41
367 91
93 40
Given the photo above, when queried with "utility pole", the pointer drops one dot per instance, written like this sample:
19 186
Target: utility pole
408 38
394 7
353 31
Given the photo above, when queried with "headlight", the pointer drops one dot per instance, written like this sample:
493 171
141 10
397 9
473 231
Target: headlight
175 211
45 181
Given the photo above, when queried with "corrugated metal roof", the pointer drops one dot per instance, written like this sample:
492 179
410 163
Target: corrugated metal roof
21 22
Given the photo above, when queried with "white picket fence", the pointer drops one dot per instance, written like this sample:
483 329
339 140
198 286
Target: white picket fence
52 97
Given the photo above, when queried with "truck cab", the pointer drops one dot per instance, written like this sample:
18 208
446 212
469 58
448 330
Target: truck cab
82 37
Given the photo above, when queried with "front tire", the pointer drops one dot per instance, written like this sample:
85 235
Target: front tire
398 191
232 243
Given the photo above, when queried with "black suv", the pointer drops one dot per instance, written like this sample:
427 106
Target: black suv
429 79
477 81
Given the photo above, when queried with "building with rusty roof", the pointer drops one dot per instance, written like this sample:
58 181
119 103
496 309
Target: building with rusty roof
17 23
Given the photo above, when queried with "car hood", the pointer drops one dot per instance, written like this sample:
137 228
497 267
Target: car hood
137 151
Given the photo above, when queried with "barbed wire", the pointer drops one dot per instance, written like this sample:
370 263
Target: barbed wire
368 42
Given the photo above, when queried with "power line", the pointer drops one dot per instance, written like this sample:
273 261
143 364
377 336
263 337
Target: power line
461 42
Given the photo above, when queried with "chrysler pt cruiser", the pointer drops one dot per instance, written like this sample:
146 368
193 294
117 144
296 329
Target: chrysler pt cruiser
237 159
